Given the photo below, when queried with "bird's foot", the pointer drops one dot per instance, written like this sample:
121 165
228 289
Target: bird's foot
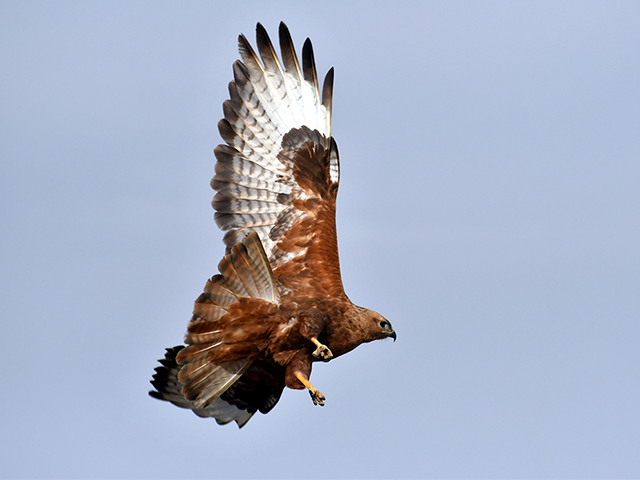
317 396
322 352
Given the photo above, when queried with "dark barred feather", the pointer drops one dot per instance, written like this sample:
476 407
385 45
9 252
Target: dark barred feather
258 389
268 99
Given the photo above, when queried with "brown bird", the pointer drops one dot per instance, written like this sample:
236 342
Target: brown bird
278 304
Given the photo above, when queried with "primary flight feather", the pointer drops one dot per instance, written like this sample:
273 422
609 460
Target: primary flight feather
278 304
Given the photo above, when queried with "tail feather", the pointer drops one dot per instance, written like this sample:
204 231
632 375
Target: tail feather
263 277
208 382
208 310
202 331
244 274
219 381
237 272
257 389
217 292
165 380
168 388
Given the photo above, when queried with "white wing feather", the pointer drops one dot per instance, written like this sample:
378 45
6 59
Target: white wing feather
268 98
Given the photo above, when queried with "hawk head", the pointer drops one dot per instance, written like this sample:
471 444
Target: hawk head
375 326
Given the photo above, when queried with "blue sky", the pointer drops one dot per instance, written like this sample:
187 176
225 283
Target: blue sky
489 207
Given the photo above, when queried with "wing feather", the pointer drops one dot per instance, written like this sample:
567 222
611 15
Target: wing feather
288 51
265 185
327 95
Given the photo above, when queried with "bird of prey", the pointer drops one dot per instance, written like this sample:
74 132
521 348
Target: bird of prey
278 303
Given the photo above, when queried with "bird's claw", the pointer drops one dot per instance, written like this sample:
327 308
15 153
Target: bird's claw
317 397
323 353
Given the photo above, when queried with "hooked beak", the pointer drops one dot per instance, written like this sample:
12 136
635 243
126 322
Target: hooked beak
393 335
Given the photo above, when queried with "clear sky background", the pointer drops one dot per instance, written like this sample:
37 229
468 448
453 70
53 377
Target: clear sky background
489 207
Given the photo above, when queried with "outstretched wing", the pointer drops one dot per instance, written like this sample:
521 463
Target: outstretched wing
278 174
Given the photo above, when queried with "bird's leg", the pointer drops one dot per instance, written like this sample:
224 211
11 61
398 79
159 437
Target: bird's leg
316 395
322 352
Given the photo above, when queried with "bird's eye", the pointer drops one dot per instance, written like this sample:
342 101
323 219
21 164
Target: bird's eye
384 324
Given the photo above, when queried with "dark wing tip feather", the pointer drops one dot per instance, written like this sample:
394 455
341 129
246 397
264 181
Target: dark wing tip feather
249 58
225 221
327 90
228 111
262 37
240 75
244 46
226 131
288 52
265 47
334 149
309 65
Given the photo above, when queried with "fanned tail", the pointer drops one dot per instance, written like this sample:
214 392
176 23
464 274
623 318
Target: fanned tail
168 387
191 377
258 390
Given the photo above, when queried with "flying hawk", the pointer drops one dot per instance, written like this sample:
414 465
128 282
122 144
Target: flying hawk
278 304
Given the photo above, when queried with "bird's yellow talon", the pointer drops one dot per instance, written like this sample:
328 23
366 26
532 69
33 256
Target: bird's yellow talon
317 397
322 352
